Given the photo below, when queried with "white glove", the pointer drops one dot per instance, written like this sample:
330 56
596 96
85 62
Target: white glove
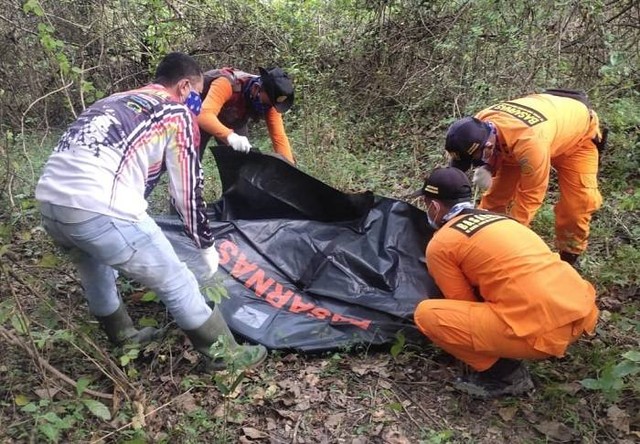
210 259
482 178
239 143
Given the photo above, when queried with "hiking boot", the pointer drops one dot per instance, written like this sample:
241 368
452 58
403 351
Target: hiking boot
505 377
120 330
215 331
569 258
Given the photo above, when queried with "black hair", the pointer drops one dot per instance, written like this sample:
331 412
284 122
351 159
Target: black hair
175 66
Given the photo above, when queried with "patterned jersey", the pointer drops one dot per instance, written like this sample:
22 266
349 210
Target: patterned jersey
111 157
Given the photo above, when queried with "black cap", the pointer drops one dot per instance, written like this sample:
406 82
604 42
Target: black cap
446 183
464 137
278 86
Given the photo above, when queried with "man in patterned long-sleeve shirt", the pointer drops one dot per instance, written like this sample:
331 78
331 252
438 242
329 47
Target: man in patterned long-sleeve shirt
92 197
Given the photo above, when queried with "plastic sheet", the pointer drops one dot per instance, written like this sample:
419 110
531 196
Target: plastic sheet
310 268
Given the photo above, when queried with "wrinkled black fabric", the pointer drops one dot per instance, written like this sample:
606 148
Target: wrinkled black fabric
308 267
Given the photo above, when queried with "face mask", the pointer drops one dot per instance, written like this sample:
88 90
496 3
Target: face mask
256 104
194 102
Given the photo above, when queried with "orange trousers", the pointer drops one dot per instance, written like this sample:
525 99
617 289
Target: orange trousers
474 334
579 195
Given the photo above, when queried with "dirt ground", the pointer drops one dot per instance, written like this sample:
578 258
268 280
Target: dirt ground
340 397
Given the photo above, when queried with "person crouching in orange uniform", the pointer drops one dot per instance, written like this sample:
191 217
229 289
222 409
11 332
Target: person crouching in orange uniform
518 142
508 297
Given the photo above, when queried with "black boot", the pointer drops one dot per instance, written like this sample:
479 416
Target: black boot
505 377
119 329
569 258
215 329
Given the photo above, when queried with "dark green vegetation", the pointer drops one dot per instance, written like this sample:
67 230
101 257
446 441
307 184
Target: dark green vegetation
378 82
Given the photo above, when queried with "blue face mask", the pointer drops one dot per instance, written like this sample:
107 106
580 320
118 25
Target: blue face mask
194 102
256 104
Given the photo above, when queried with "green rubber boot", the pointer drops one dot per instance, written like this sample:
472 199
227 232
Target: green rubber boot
214 330
119 329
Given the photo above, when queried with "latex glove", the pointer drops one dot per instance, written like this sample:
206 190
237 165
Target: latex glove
210 258
238 143
482 177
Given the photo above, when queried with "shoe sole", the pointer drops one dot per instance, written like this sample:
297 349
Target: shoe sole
482 393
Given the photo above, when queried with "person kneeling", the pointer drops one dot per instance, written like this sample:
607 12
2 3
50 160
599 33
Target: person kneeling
507 296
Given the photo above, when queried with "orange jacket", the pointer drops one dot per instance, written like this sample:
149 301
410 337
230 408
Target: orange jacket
224 110
532 131
513 271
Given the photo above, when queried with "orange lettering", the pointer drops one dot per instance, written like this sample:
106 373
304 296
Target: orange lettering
277 298
298 306
261 285
226 250
242 266
361 323
321 313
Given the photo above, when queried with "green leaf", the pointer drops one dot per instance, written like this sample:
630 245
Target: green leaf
129 356
5 231
50 431
21 400
33 6
98 409
148 322
215 293
625 368
52 418
19 323
49 261
397 347
212 294
591 384
29 408
149 296
6 308
82 385
395 406
632 356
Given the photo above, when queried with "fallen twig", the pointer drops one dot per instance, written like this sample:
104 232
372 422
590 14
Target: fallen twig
15 340
440 422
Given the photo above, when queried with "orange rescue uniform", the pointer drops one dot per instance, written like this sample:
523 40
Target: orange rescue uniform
506 294
536 133
221 93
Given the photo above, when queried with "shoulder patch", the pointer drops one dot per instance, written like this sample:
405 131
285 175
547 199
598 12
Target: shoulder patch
472 223
526 115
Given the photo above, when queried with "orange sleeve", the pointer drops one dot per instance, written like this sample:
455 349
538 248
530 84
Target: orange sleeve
446 272
219 93
279 138
534 159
